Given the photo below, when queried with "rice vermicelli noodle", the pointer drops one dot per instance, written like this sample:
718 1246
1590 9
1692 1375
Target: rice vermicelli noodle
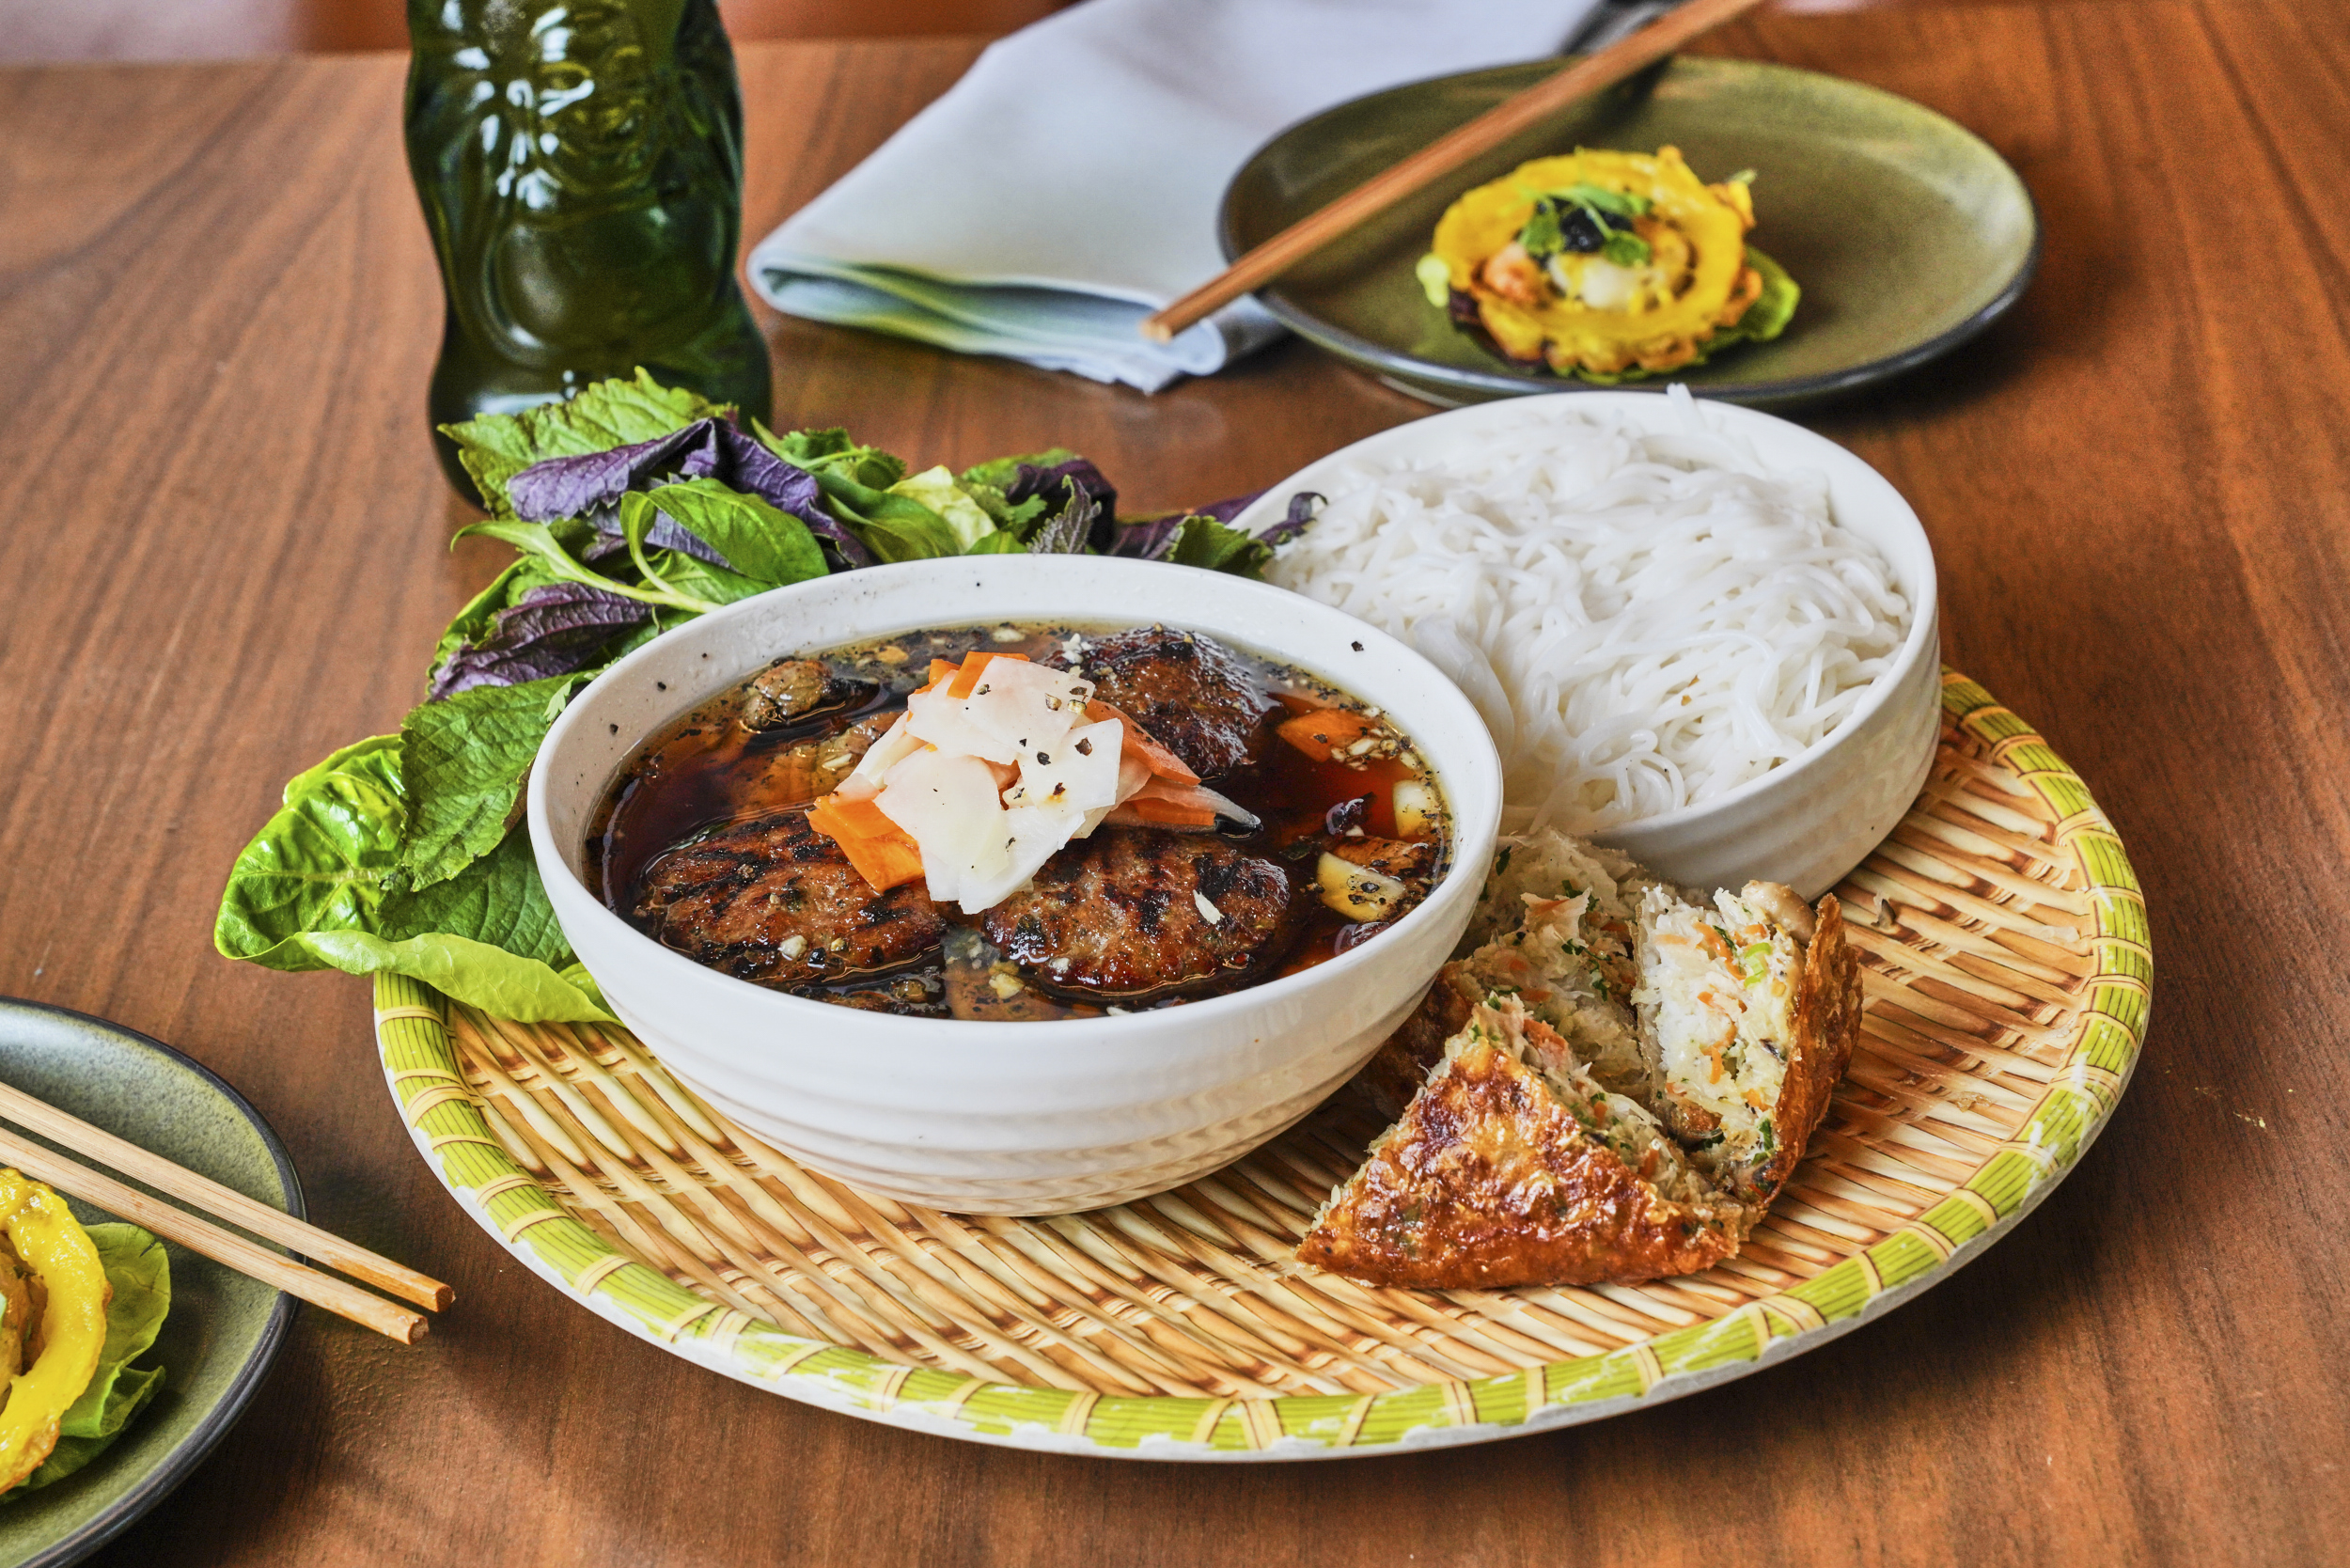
1645 620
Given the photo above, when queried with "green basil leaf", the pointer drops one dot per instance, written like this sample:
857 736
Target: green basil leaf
1625 250
1624 204
538 540
698 579
831 451
1541 237
758 541
894 527
1203 542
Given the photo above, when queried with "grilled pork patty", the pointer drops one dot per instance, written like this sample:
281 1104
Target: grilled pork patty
1202 704
1131 911
777 901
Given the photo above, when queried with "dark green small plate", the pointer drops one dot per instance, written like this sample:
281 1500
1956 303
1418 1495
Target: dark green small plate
223 1330
1907 232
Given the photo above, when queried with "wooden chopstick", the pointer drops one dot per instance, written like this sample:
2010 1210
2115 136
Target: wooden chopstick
1441 157
202 1192
222 1246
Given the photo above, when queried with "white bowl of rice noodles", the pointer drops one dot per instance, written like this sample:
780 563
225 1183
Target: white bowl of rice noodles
1697 633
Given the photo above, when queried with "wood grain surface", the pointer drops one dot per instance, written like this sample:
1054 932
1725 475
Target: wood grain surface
225 553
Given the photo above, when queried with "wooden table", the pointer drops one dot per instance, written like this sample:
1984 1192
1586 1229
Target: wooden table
224 552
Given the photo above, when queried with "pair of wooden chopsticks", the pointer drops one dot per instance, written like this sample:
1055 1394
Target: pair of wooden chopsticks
1441 157
198 1236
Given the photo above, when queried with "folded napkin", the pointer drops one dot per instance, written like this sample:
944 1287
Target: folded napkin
1068 185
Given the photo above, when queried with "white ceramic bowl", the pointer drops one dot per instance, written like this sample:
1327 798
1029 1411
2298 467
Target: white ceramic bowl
1808 821
1005 1118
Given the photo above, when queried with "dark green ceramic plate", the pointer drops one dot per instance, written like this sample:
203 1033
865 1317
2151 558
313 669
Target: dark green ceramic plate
223 1330
1908 234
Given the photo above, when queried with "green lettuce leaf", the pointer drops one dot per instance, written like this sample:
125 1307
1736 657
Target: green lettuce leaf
1768 315
607 414
140 1274
936 489
322 887
462 761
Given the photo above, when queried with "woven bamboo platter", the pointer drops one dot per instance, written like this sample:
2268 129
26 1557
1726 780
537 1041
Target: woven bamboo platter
2004 944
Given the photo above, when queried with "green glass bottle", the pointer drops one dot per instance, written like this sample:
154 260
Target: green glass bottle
580 163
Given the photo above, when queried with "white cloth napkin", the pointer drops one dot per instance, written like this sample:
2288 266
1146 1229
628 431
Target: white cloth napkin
1068 185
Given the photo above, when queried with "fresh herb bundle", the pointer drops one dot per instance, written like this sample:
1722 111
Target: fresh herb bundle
632 508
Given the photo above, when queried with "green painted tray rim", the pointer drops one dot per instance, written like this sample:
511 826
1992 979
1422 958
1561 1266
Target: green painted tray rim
1474 383
182 1460
428 1083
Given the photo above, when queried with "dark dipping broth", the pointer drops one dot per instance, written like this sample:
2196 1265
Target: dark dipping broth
702 843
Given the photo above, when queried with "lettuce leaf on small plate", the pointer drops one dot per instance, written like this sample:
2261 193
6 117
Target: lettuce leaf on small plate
140 1274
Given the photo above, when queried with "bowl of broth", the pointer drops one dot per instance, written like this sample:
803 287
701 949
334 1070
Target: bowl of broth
1186 963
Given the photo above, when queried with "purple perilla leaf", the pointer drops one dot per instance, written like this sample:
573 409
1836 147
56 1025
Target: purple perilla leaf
554 629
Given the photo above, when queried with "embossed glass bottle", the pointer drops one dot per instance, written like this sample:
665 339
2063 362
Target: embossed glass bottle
580 163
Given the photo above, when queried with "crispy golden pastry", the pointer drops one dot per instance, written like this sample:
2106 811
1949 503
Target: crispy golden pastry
1402 1065
1827 1027
1506 1170
1611 1084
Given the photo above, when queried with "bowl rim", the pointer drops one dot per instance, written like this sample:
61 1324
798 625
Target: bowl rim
1481 767
1921 641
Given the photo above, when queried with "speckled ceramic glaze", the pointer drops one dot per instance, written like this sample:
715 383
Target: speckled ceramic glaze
1907 232
223 1330
1805 823
1010 1117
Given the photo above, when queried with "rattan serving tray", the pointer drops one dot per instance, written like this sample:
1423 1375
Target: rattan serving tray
2004 944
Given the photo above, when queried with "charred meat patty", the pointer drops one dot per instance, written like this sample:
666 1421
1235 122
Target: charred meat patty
1203 703
777 901
1131 911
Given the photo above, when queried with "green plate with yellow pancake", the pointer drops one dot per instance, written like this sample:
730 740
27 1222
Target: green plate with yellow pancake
1908 234
222 1329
